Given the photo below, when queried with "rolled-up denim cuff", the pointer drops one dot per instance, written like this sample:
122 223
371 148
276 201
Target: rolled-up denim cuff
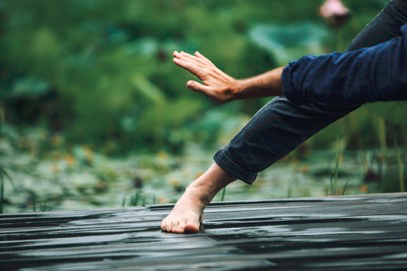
227 164
288 85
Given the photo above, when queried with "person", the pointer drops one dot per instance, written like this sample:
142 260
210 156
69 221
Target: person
313 92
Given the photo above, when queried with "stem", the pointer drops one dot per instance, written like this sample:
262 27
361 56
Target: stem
2 119
335 173
401 171
1 194
346 186
290 189
136 198
383 144
382 135
399 164
222 197
404 133
34 204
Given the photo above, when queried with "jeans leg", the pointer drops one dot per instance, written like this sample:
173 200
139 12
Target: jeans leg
385 26
280 126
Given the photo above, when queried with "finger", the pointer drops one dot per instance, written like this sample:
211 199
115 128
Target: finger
200 56
187 55
190 59
180 55
199 63
191 67
195 59
198 87
183 63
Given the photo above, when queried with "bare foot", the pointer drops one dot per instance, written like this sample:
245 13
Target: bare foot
186 216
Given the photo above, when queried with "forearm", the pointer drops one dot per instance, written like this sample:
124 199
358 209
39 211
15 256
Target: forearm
263 85
220 87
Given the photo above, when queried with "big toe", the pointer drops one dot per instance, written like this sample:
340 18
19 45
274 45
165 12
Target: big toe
191 228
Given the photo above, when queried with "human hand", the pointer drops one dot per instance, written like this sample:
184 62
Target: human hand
217 85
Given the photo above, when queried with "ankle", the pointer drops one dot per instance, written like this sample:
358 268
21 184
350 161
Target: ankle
199 194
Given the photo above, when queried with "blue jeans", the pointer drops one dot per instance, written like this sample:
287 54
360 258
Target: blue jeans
280 126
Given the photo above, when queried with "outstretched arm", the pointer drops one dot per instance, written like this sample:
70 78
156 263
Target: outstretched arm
222 88
370 74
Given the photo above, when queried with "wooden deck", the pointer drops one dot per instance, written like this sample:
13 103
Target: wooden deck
344 233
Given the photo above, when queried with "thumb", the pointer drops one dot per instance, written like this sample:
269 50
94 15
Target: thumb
198 87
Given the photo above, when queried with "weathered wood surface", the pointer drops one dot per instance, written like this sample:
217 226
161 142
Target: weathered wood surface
346 233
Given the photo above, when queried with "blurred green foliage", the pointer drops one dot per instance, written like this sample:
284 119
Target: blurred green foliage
101 70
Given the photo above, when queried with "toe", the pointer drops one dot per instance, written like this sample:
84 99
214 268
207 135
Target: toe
191 228
178 230
166 226
174 226
163 225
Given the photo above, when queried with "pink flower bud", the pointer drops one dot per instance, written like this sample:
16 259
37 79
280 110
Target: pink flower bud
335 13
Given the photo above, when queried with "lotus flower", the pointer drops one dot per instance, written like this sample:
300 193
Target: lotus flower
335 13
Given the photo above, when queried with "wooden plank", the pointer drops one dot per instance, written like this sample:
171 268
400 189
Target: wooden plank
336 233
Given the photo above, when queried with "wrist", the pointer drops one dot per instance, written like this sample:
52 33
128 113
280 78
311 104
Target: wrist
237 88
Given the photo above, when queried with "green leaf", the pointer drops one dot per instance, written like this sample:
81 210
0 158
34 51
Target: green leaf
288 43
30 87
147 89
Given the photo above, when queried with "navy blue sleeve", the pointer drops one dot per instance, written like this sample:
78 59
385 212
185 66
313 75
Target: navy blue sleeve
377 73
